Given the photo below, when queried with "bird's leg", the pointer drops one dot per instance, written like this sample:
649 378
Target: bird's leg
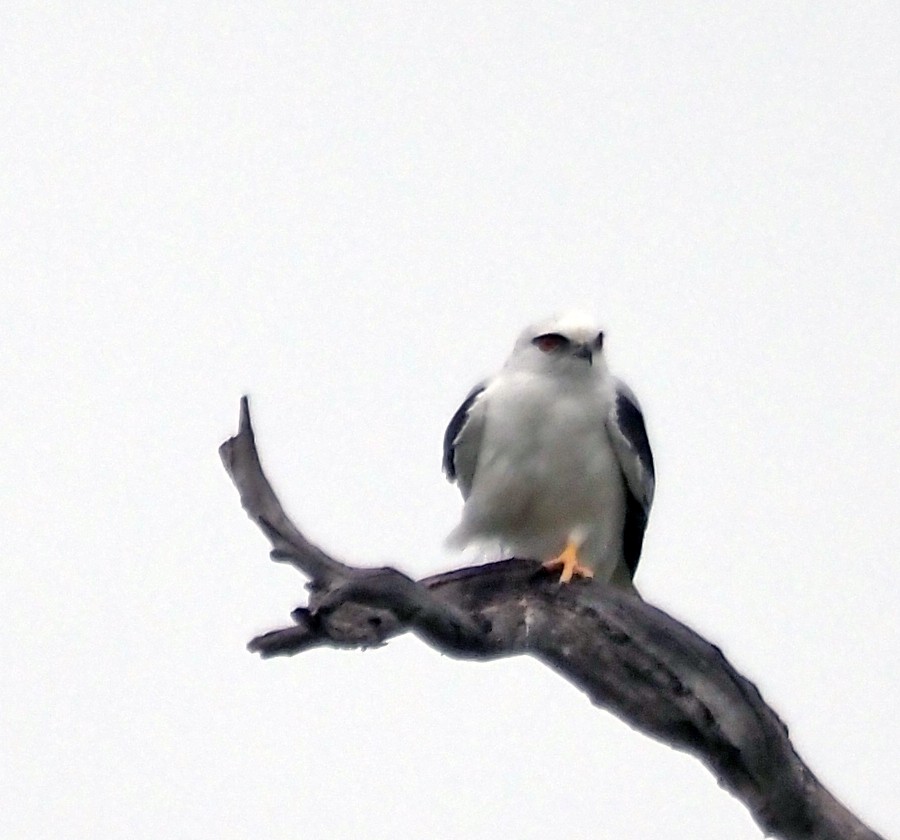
568 562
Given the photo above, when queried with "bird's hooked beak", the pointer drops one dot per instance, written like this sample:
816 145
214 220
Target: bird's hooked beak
584 351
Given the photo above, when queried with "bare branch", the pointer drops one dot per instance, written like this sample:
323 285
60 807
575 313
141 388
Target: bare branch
629 657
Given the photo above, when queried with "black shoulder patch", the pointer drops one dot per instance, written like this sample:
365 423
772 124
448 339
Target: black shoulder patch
631 421
454 428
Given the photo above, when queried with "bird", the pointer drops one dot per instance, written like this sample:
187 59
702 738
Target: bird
552 457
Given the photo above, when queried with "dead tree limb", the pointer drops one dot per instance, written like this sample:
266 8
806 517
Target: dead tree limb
629 657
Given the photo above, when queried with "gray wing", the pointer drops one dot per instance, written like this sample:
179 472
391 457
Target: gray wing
462 440
632 447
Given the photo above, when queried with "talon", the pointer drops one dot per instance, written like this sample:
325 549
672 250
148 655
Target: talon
568 562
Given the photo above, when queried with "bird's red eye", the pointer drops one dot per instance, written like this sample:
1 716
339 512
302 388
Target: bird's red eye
550 342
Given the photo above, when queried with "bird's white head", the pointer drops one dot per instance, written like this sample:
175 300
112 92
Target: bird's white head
567 344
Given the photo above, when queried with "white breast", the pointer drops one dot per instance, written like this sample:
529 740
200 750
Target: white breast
546 471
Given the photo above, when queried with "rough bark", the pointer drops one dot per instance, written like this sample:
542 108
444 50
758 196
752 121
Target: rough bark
629 657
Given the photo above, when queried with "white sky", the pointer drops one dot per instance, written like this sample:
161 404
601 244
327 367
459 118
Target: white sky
349 211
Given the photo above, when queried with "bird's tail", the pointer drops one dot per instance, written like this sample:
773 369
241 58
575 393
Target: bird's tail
621 578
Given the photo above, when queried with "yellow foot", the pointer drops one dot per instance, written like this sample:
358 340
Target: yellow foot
568 562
